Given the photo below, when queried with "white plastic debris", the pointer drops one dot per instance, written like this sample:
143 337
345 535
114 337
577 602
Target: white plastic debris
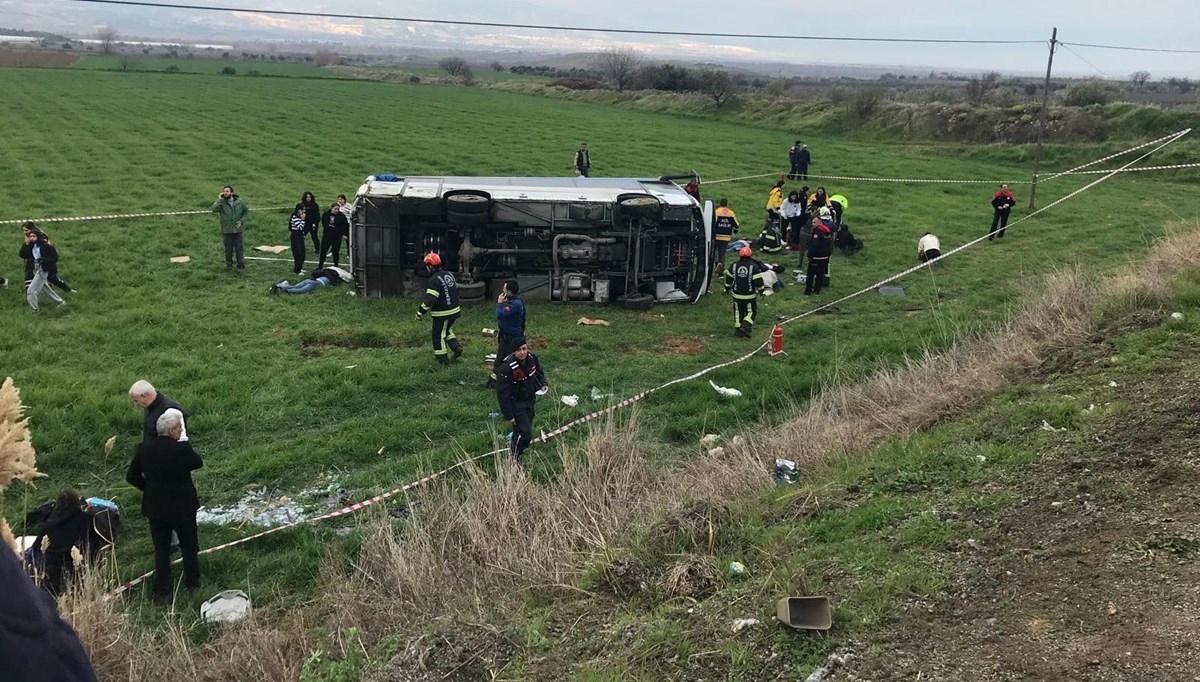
740 624
1176 316
570 400
1046 427
737 568
1112 384
710 439
597 395
725 392
229 606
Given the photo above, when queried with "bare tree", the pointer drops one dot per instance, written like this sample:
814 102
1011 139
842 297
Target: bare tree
978 88
618 67
127 62
718 85
1139 78
497 66
457 67
108 37
327 58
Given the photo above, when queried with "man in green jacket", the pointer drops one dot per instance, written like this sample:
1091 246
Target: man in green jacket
232 214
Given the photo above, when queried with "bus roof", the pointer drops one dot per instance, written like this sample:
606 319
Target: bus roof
527 189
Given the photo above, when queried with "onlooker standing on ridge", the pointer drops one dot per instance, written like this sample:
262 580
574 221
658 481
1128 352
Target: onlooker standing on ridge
820 245
39 252
232 213
510 318
725 225
583 161
520 379
928 247
441 302
297 225
1002 203
804 158
162 470
145 396
794 161
337 230
312 218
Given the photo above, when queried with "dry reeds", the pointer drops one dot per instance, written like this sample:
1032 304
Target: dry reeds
18 462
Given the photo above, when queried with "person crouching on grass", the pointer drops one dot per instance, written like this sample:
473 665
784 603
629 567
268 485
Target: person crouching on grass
162 470
520 379
929 248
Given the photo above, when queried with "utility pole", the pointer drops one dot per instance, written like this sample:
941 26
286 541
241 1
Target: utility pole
1037 152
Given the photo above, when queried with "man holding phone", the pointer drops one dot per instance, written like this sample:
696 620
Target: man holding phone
510 318
231 212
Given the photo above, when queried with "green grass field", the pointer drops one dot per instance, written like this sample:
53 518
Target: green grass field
202 66
278 398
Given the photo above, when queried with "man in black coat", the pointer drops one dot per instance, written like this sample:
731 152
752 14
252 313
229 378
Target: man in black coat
36 645
162 470
144 395
519 381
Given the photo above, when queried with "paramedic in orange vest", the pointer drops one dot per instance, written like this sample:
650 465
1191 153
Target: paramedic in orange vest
725 225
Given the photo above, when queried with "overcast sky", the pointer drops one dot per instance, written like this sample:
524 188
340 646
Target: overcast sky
1148 23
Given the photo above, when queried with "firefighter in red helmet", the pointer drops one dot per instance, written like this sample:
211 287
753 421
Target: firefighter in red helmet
744 281
441 302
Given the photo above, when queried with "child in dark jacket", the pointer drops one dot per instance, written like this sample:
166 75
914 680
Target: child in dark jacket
41 259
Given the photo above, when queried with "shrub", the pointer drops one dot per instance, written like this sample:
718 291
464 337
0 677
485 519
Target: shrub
577 83
414 79
172 68
229 71
253 72
1091 92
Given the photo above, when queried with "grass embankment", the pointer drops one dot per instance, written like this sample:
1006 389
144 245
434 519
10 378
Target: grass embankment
287 394
907 478
818 117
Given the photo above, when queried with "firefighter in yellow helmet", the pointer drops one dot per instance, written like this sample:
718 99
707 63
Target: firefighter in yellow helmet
744 281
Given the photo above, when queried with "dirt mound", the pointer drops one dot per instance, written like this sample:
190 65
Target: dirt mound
1091 576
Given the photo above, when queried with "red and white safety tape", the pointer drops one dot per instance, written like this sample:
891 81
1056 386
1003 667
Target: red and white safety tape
119 216
334 514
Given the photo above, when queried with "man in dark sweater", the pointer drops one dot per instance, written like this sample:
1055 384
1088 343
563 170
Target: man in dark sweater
519 381
337 230
162 470
144 395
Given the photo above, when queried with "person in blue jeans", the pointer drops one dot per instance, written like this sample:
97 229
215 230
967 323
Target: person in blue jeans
323 277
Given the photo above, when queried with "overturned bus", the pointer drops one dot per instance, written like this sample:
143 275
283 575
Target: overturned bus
627 241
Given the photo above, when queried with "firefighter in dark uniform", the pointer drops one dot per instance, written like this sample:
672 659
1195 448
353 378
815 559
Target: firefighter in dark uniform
770 241
725 225
744 280
441 302
519 380
820 246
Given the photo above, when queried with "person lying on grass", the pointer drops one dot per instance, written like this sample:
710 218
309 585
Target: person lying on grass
322 277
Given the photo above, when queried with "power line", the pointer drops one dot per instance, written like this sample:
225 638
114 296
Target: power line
1132 49
543 27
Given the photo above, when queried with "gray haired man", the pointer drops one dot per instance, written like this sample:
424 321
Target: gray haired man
145 396
162 470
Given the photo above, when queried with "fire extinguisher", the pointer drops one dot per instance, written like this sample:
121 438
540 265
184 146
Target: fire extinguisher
777 340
